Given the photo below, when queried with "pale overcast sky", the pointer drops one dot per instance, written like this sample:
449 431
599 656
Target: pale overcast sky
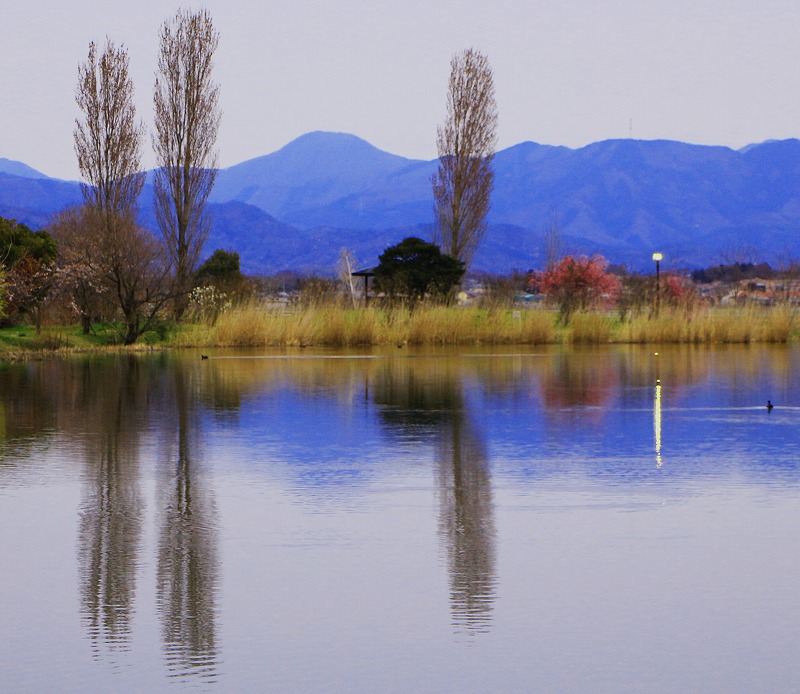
568 72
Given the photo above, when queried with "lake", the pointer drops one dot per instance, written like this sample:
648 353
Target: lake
456 520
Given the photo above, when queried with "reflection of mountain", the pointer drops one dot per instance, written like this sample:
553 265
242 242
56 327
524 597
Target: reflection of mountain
424 399
187 561
111 513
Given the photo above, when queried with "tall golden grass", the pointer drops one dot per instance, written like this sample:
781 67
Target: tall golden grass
257 325
712 325
590 328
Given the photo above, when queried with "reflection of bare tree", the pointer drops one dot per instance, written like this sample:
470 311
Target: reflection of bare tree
421 399
187 561
466 522
111 516
582 379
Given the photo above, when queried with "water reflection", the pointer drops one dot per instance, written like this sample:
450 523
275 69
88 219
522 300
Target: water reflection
111 514
657 422
466 522
585 423
187 557
578 379
421 399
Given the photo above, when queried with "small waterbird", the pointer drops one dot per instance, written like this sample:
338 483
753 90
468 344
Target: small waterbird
769 405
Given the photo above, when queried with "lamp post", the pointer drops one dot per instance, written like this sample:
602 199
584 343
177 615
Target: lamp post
658 257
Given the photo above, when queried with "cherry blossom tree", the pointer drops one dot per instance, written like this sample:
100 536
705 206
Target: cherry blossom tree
576 283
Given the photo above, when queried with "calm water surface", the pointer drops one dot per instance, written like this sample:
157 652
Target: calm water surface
523 520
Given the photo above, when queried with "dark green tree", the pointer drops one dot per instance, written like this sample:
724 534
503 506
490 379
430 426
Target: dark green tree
414 269
26 269
17 241
221 266
222 271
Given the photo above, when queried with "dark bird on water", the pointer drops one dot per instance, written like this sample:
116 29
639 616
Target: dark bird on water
204 356
769 405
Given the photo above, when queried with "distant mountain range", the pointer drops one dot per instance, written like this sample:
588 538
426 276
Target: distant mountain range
297 207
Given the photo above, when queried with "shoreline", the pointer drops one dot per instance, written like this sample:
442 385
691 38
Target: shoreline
252 326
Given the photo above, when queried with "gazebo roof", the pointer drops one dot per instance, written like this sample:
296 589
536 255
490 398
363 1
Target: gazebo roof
364 272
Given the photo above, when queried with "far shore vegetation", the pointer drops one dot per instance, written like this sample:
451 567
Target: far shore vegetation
259 324
417 296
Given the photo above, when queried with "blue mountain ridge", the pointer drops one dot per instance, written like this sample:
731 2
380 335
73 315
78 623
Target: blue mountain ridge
296 208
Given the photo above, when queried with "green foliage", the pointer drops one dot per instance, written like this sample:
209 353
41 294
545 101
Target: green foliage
414 268
17 242
222 265
26 271
222 272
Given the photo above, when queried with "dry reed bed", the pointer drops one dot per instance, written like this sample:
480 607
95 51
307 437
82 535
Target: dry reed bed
723 326
255 326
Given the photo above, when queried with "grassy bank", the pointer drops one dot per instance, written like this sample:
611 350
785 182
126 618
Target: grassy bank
331 326
23 342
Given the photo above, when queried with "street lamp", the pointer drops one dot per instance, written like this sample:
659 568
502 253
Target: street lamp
658 257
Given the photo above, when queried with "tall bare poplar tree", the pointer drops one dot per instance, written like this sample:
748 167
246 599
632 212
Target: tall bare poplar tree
110 254
108 137
462 186
186 121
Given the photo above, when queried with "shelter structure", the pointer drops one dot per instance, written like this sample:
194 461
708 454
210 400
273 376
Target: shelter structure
366 273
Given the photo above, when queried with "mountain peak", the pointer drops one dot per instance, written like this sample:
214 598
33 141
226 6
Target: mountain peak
325 151
17 168
329 140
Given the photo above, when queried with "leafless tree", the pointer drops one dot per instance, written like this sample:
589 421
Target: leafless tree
118 264
186 122
108 137
78 268
345 267
553 245
741 254
462 186
2 293
104 247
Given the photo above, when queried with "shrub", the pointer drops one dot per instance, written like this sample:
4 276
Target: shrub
576 284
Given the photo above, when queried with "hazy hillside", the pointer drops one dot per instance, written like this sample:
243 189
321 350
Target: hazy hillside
17 168
297 207
33 201
317 172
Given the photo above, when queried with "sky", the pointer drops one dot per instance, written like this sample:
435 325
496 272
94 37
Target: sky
572 72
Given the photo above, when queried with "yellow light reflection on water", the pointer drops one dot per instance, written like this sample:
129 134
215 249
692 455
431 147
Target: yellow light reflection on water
657 421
